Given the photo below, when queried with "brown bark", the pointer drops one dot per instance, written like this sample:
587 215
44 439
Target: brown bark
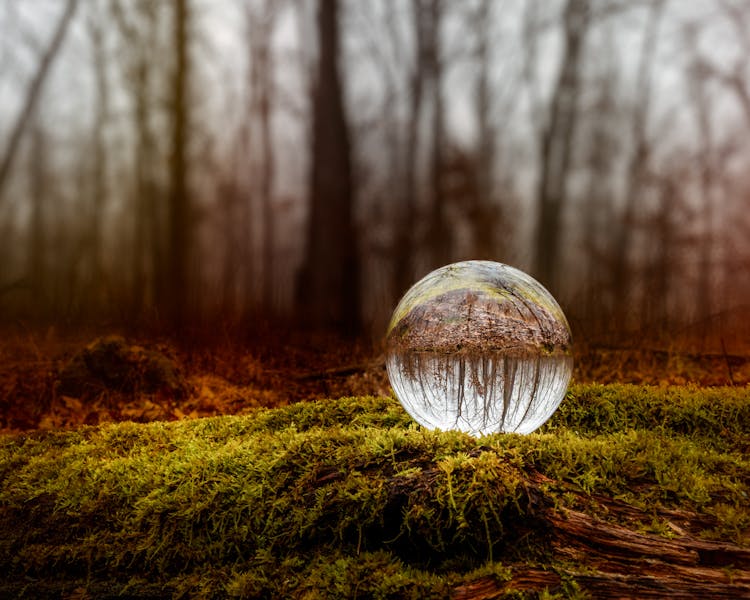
175 300
328 291
405 246
139 43
602 556
523 579
623 563
639 565
99 167
665 239
261 78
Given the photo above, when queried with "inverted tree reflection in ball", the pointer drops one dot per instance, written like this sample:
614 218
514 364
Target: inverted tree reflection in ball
481 347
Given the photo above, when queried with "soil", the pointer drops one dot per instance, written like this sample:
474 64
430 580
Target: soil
276 368
44 385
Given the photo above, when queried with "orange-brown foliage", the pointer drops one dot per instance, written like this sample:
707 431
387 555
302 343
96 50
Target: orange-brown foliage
233 377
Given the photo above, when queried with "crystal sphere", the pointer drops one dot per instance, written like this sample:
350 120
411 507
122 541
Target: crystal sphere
480 347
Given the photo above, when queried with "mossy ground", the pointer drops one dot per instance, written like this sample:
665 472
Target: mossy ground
349 498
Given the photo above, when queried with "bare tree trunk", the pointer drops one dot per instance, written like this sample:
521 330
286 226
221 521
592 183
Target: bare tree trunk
328 292
266 190
142 159
38 231
485 216
146 261
406 222
599 199
639 162
228 202
261 29
530 39
34 91
670 199
99 167
702 109
557 144
736 78
439 234
397 140
179 200
705 271
245 193
742 93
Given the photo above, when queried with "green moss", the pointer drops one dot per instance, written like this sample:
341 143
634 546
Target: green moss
350 497
714 417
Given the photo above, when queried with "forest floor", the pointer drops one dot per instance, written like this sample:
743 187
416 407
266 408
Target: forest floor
629 491
231 376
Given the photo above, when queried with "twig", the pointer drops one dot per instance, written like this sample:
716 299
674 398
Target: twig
349 369
727 362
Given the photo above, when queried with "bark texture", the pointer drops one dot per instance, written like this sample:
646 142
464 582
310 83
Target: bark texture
328 290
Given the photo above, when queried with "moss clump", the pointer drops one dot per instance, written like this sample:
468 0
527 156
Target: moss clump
715 417
349 498
111 363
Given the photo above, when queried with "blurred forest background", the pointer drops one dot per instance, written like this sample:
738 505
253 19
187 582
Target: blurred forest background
234 161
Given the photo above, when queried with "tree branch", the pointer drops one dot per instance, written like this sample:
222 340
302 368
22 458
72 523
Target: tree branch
34 92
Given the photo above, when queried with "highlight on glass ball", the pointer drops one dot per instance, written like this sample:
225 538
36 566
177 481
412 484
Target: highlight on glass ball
480 347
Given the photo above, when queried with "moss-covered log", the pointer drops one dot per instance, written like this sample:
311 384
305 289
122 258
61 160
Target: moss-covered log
627 492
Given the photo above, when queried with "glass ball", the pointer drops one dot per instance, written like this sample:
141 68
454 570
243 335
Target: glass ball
480 347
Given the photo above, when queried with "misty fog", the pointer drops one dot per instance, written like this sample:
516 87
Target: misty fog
291 159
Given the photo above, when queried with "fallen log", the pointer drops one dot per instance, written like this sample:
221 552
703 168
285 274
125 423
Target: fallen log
348 497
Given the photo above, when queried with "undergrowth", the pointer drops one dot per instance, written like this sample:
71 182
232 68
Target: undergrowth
349 498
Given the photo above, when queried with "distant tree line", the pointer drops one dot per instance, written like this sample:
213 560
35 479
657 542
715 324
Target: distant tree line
183 162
